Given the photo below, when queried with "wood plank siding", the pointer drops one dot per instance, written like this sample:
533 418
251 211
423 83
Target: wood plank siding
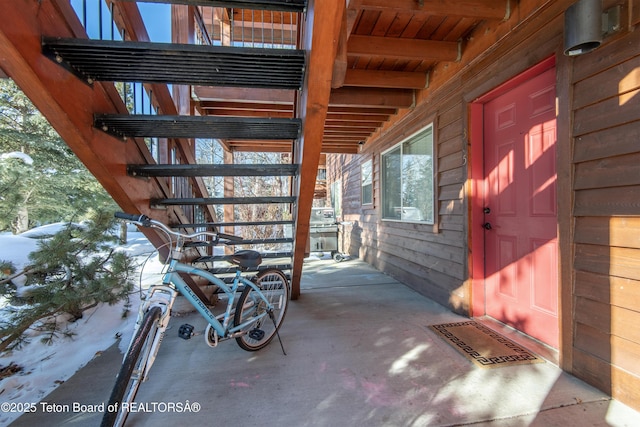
606 162
434 263
598 187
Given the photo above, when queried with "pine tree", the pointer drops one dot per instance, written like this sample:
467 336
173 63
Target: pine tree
72 271
56 186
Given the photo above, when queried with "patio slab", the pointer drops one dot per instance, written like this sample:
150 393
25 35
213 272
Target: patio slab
359 353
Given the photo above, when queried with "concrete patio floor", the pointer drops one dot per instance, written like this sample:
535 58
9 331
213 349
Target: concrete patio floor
359 353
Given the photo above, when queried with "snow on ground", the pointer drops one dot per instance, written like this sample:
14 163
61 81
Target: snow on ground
46 366
17 155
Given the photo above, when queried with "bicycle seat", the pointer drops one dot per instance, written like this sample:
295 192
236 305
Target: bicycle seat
246 258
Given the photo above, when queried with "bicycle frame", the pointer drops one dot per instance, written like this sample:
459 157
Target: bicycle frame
154 313
164 296
172 277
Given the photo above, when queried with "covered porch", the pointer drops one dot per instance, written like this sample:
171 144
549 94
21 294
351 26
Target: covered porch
359 352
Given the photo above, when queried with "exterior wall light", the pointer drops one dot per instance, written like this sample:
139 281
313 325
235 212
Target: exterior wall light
582 27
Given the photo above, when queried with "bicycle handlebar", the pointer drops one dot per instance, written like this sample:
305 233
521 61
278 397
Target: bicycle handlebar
142 219
145 221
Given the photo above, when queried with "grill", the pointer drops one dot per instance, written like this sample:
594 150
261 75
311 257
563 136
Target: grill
323 232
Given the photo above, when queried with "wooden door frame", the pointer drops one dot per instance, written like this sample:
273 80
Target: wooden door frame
477 189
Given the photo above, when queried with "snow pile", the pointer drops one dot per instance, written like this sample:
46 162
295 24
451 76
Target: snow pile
26 159
45 366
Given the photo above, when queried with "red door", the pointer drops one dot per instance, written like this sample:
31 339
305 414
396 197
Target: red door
521 282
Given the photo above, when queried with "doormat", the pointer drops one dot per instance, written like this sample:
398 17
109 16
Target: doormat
483 346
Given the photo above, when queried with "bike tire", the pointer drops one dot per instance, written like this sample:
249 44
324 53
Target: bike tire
275 286
129 377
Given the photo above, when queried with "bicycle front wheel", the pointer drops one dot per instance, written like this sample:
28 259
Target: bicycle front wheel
275 287
132 370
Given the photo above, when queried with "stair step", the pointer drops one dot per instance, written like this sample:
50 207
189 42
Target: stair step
276 5
265 255
222 201
213 170
232 224
231 270
145 125
243 242
171 63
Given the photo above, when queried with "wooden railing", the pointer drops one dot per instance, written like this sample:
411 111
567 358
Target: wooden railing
220 26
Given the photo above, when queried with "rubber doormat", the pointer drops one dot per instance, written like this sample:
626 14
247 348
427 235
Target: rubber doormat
483 346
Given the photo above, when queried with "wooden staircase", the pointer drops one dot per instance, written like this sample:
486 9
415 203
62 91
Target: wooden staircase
77 91
207 65
282 258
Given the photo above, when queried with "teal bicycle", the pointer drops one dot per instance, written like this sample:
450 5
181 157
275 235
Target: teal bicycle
253 318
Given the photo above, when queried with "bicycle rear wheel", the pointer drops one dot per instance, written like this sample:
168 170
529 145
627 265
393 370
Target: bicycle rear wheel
132 370
275 287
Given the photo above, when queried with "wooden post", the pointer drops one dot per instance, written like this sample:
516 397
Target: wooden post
229 190
320 39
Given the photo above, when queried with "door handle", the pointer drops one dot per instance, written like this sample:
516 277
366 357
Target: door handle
487 226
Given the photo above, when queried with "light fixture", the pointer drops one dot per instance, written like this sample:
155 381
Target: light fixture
582 27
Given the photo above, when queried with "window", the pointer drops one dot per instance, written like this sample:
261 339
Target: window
366 180
336 197
322 174
407 179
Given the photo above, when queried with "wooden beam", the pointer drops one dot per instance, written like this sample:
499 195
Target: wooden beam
245 113
262 149
385 79
248 109
341 141
480 9
364 110
346 132
239 94
342 138
250 106
361 118
337 140
341 149
341 144
367 97
351 125
351 140
340 64
321 34
351 12
403 49
258 146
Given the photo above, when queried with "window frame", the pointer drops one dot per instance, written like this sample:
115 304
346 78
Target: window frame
362 184
336 197
434 190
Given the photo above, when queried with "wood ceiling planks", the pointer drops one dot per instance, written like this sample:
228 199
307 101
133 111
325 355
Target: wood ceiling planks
387 50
